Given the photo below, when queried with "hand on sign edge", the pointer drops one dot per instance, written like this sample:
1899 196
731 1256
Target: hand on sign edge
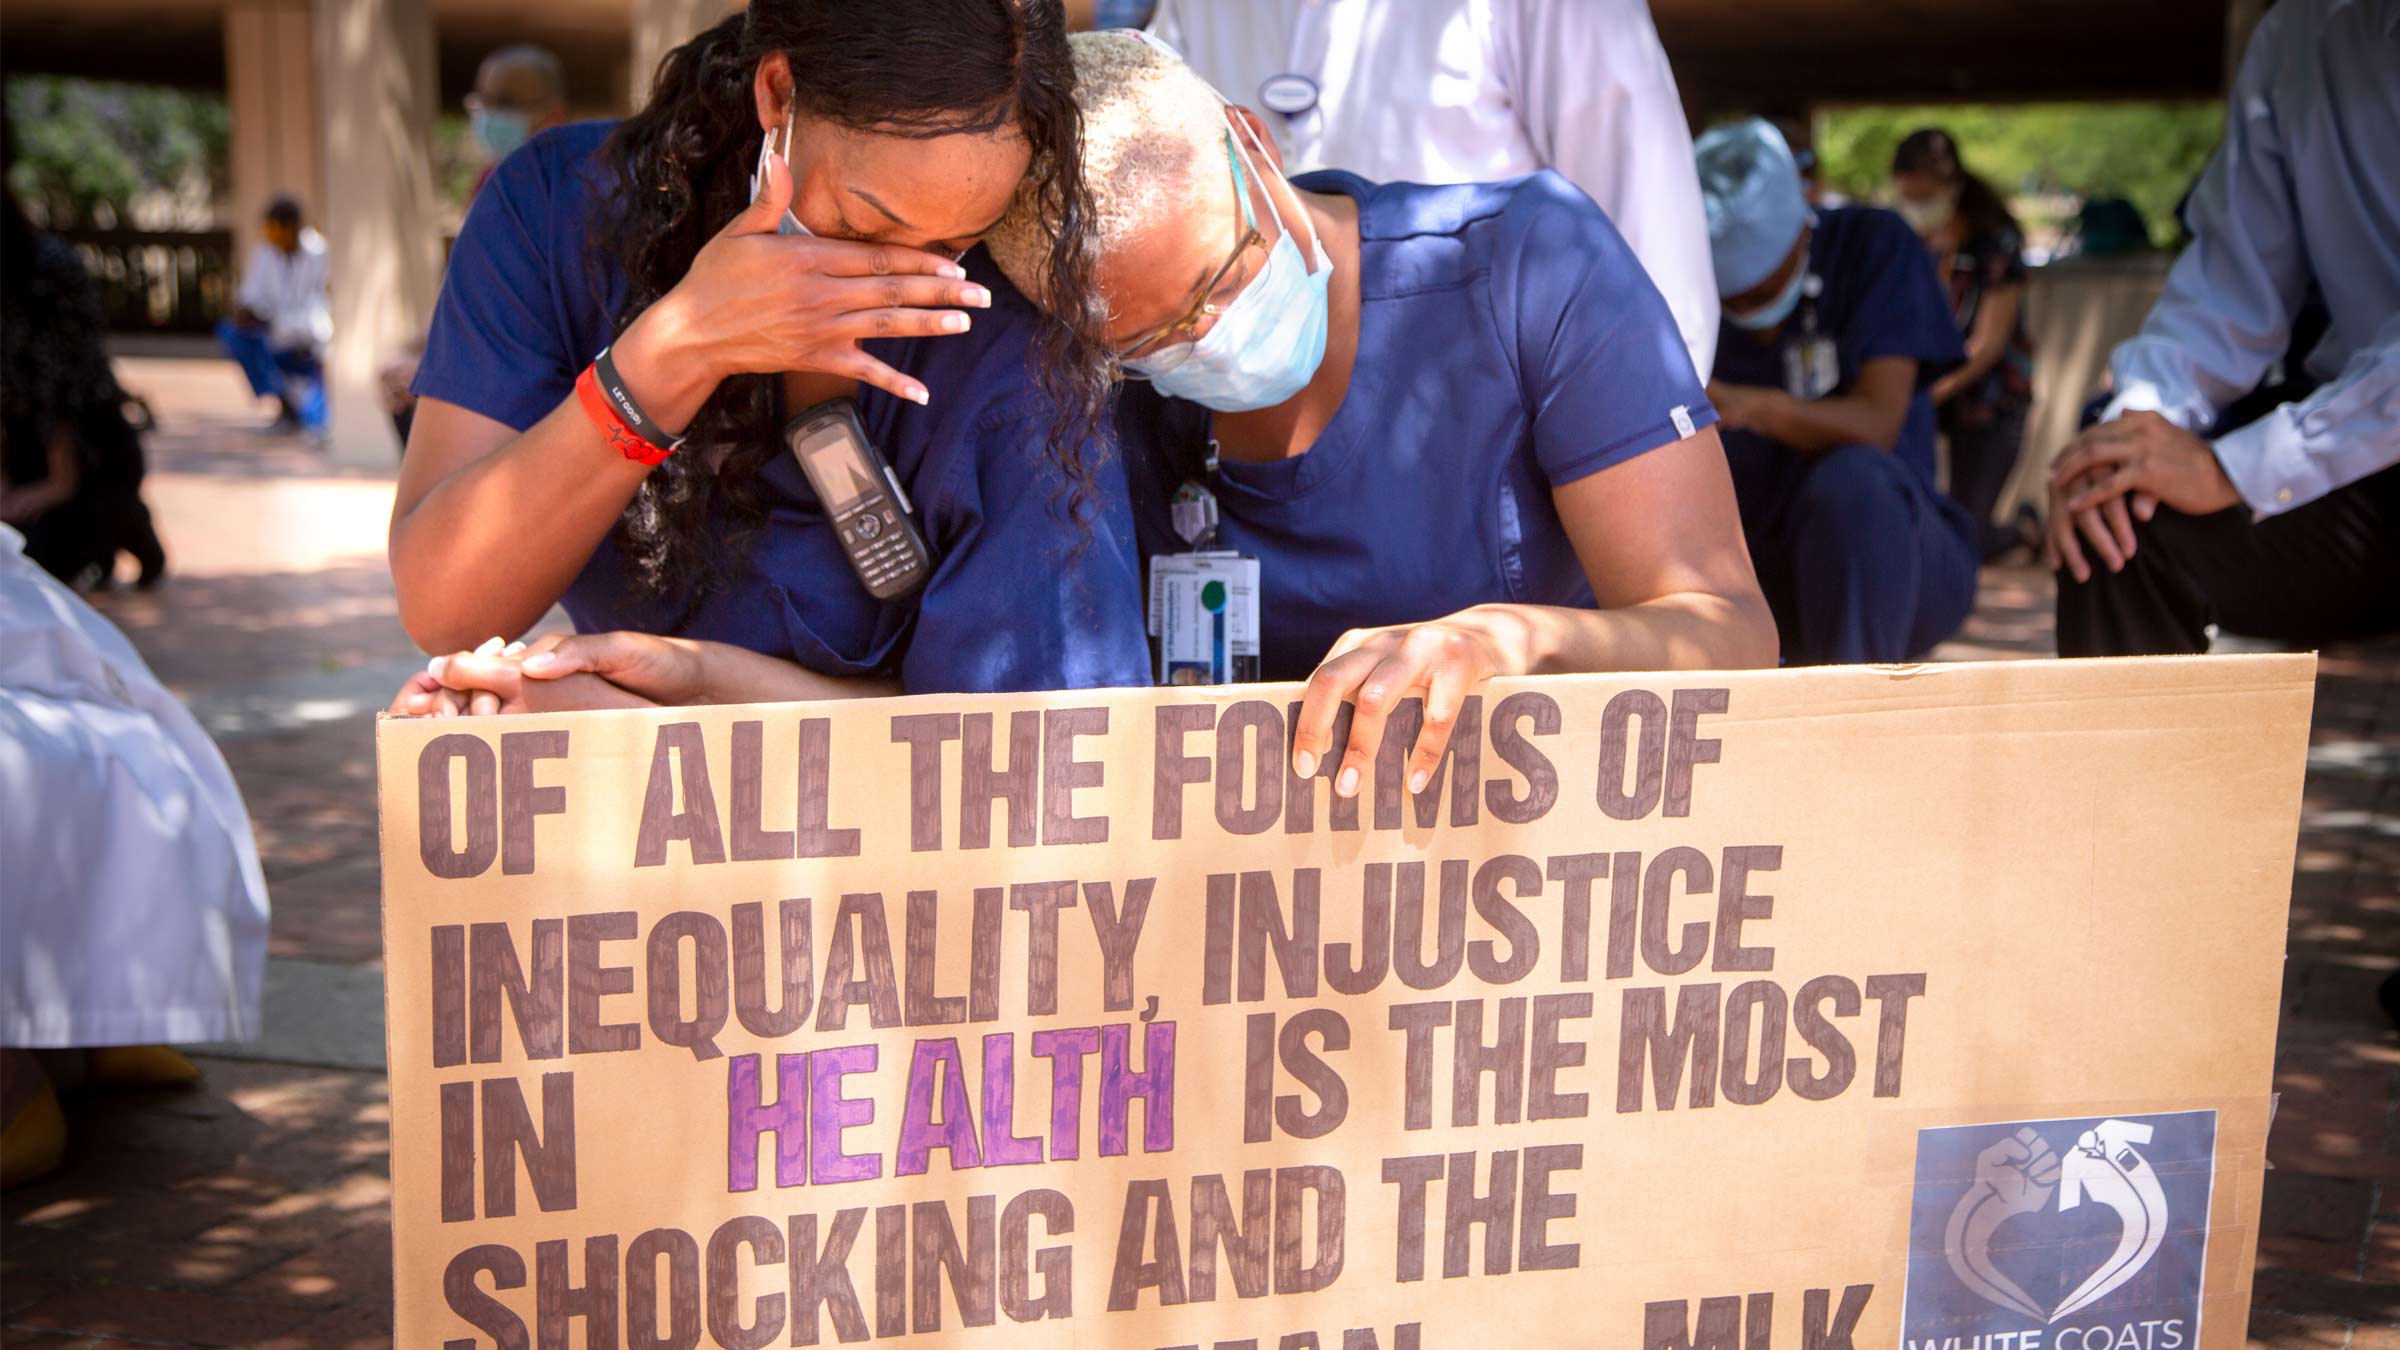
1375 669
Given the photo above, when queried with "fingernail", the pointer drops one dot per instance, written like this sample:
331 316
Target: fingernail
436 666
1304 764
1416 782
490 647
979 297
954 323
1347 784
953 271
918 395
539 663
513 649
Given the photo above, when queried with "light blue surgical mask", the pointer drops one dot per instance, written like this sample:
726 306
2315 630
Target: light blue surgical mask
499 130
1773 312
1268 343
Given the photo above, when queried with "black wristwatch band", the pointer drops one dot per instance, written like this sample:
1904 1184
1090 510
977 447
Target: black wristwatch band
612 387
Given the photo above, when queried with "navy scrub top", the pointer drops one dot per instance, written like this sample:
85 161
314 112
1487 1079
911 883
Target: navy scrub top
1509 343
1019 598
1880 298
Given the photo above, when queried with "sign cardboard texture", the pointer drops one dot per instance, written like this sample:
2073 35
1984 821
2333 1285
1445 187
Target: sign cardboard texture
1923 1006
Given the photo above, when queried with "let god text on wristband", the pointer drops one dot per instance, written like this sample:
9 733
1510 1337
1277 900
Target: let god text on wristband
630 431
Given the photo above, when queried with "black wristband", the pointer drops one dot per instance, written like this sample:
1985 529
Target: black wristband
612 388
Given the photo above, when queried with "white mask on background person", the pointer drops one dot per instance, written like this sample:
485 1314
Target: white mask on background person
1266 346
790 224
1928 215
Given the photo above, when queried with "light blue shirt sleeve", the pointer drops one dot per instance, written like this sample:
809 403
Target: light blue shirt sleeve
2225 315
2347 429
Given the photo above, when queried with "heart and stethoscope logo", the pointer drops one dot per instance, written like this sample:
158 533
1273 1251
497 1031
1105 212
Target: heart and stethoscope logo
2023 1174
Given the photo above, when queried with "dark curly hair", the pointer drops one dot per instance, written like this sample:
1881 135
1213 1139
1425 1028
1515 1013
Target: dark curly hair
680 169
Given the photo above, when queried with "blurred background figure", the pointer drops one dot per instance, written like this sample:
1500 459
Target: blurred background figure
1979 254
2107 227
70 463
137 915
1835 328
281 323
2200 498
1083 15
520 92
1456 91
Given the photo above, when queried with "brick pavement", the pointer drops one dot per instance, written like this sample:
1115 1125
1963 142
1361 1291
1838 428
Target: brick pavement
253 1210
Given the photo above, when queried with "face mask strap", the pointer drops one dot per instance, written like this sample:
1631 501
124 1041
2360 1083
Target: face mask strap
766 143
1241 155
1241 187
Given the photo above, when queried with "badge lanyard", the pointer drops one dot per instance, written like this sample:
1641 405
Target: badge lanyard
1813 367
1204 601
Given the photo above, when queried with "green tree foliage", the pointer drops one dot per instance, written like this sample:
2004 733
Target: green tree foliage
87 150
2149 153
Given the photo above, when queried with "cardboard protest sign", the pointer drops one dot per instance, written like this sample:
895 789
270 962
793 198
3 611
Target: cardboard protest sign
1928 1006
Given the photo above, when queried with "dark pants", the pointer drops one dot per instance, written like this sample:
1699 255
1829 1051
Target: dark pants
2326 570
1860 557
1981 459
78 540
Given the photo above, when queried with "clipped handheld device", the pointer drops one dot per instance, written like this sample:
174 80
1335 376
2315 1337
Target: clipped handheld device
863 496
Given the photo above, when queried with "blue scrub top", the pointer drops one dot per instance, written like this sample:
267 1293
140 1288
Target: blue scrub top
1880 298
1019 598
1509 343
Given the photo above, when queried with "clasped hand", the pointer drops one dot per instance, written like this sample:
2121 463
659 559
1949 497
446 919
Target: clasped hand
554 673
2119 472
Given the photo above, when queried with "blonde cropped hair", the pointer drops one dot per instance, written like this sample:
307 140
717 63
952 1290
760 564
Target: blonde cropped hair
1153 151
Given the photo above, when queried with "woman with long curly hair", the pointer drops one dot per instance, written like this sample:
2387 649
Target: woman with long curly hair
1979 253
884 137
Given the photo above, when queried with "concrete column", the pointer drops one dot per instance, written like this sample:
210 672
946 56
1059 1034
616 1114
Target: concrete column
659 27
271 92
382 223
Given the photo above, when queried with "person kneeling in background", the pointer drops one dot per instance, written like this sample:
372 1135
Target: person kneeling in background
1979 253
280 323
1834 330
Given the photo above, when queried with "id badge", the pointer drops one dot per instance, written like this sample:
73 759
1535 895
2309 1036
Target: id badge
1812 367
1204 618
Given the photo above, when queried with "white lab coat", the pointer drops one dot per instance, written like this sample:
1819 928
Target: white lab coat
132 910
288 291
1469 91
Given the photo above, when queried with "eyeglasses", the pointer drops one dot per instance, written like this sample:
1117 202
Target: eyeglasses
1164 348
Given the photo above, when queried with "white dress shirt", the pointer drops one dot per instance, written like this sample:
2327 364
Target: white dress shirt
134 908
2305 188
1464 91
288 291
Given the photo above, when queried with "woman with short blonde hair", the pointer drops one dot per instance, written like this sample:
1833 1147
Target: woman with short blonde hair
1456 426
